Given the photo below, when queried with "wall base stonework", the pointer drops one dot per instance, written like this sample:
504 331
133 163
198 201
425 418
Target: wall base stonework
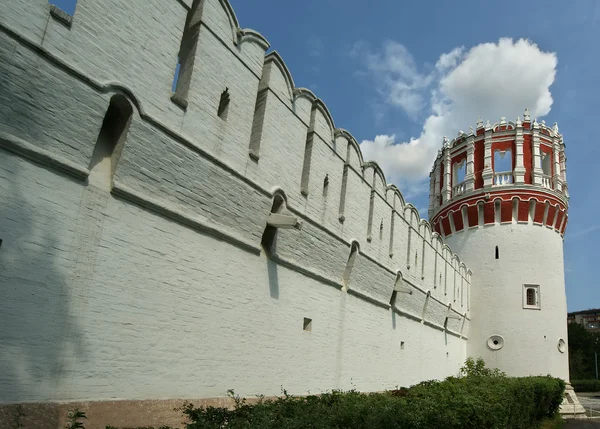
120 414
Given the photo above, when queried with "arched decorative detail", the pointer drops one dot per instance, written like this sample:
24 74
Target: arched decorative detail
233 21
249 35
376 170
274 57
409 207
115 87
318 103
397 197
304 93
436 241
425 229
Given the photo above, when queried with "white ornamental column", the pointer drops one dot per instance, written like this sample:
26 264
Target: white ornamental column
537 156
447 193
488 171
470 175
556 177
438 181
432 189
519 168
563 168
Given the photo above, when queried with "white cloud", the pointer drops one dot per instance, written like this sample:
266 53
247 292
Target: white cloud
450 60
491 80
396 75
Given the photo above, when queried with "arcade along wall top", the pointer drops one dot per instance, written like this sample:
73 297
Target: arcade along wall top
508 172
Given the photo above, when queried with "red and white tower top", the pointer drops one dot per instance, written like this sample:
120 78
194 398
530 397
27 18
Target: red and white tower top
509 172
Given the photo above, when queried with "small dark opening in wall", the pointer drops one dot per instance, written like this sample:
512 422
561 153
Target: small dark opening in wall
401 345
325 185
497 253
224 104
495 342
269 236
110 140
0 242
307 325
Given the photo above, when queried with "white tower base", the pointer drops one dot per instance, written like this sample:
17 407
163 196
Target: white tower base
571 407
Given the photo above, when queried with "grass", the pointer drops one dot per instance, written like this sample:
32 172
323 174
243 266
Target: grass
554 423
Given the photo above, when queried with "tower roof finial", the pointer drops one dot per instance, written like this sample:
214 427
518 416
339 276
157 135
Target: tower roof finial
526 116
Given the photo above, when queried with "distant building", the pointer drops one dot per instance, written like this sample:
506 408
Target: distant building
590 319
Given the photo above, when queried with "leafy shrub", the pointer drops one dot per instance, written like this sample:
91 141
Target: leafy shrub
586 385
482 398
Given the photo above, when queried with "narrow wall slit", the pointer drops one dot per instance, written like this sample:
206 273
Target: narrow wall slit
223 109
349 266
110 142
258 122
341 216
497 253
306 165
370 224
184 68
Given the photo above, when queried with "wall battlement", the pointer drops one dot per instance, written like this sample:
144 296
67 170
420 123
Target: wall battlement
159 197
322 173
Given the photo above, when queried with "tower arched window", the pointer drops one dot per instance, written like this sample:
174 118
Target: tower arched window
503 167
546 164
460 171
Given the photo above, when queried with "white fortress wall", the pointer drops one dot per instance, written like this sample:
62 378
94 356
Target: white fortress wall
152 283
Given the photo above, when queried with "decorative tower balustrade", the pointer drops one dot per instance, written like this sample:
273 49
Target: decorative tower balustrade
524 156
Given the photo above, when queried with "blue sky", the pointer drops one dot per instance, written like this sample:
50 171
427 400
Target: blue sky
353 56
396 72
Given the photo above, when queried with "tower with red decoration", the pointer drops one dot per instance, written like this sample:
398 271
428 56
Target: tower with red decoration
499 196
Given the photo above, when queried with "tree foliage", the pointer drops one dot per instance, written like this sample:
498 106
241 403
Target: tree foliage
582 346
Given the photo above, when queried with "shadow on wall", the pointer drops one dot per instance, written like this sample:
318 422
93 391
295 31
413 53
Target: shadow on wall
40 336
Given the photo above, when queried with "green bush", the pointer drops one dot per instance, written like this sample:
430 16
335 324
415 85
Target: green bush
586 385
480 399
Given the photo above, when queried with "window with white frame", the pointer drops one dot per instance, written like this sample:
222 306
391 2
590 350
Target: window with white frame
460 171
531 296
546 163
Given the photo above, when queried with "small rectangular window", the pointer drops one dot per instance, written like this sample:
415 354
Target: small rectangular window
531 297
307 325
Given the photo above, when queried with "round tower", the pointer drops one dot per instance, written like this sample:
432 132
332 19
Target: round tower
499 196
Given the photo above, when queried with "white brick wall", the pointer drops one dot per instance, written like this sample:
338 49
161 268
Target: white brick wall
159 290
